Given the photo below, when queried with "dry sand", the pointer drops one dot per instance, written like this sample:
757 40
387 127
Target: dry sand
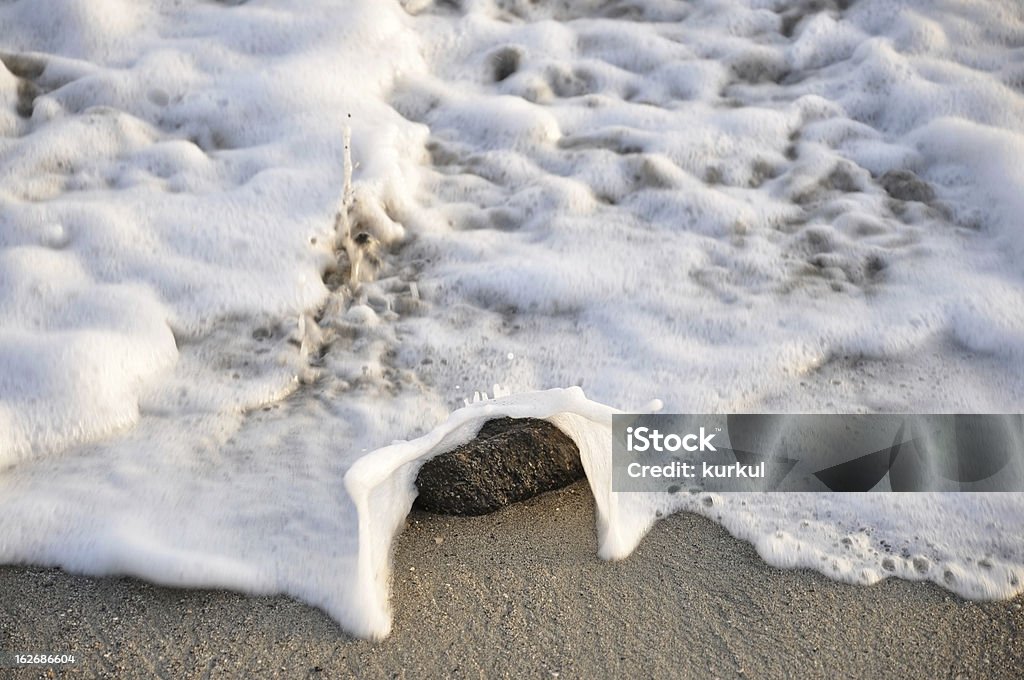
521 593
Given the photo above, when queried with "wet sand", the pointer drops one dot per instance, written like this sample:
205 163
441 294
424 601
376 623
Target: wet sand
521 593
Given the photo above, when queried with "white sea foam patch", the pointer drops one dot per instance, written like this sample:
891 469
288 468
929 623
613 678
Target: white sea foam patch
748 206
73 351
174 167
742 200
760 205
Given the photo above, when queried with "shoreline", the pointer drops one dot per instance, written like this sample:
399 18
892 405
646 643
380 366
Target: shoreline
521 592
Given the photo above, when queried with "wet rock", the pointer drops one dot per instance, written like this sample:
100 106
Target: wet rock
510 460
904 185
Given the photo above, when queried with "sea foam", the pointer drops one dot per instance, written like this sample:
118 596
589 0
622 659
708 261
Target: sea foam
731 206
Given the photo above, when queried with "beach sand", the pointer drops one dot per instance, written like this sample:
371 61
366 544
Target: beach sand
521 593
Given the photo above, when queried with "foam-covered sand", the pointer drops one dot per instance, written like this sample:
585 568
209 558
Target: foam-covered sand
727 206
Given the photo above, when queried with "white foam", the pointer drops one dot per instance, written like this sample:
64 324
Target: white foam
652 199
198 162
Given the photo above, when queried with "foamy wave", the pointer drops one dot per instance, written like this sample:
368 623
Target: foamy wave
730 205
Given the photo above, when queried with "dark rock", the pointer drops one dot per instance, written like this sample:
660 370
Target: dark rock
904 185
510 460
